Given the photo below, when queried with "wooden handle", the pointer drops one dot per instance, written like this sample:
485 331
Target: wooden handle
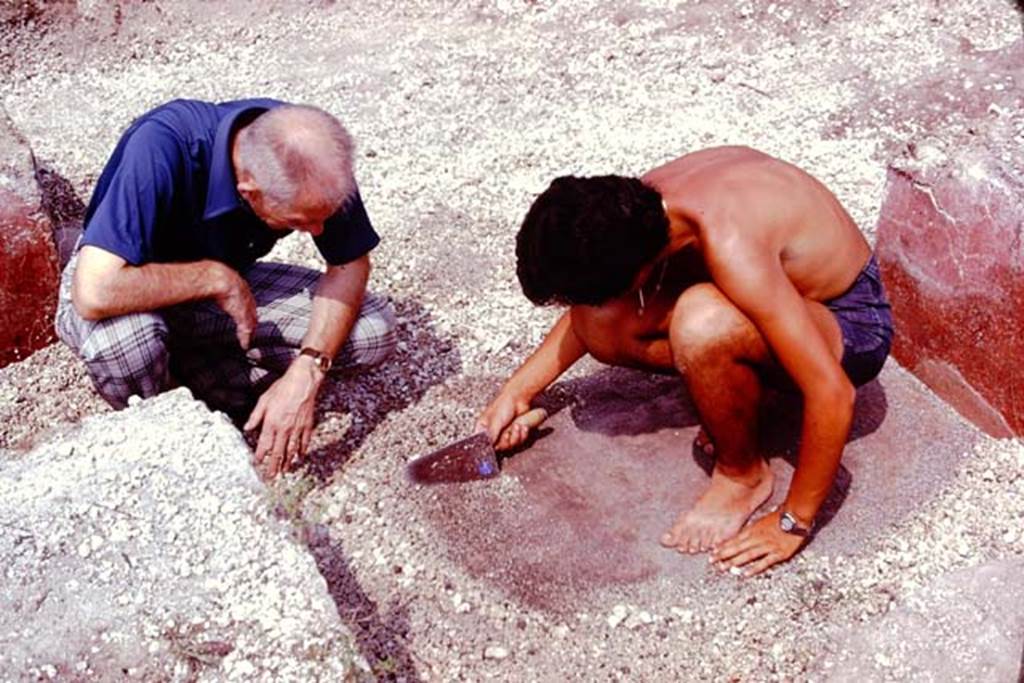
532 418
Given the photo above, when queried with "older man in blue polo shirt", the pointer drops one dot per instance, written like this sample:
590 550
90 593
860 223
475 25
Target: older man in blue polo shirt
166 280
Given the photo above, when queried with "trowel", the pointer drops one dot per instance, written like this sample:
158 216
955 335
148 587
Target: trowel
468 459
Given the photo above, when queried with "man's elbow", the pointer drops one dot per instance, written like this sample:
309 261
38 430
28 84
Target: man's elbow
87 298
838 393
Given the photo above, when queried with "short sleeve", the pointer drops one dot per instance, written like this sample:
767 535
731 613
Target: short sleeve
134 193
347 234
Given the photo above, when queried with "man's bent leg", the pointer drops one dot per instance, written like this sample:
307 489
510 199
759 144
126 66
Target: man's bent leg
284 298
717 349
373 337
125 355
209 360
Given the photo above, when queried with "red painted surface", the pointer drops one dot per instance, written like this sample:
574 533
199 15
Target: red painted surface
28 258
951 247
576 518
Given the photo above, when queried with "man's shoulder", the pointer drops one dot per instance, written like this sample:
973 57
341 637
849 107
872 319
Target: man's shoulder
251 103
173 123
186 118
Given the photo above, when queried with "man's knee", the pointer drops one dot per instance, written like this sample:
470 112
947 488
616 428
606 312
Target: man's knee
605 331
705 322
373 337
126 356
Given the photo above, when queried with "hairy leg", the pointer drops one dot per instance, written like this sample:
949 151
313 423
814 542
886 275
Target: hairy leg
717 349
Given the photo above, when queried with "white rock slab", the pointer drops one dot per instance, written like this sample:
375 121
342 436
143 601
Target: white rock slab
144 545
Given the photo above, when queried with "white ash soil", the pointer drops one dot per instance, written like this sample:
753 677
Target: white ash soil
463 112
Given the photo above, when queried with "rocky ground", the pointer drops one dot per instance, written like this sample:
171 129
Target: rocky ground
463 111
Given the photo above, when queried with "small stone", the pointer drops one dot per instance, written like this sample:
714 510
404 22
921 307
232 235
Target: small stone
685 615
618 615
244 668
495 652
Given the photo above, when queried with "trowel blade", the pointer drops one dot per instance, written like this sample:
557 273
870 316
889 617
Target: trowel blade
469 459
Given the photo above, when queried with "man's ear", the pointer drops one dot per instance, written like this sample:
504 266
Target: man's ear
245 183
248 190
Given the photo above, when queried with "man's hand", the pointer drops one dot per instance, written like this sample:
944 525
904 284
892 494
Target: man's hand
236 299
756 547
499 415
285 411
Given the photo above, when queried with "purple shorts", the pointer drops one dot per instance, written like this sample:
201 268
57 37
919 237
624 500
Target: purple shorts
865 318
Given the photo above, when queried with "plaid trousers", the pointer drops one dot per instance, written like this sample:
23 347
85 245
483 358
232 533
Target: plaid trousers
138 353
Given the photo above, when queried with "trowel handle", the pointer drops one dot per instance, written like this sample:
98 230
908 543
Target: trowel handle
532 418
529 419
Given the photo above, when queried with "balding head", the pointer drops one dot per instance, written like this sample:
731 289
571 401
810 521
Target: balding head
296 155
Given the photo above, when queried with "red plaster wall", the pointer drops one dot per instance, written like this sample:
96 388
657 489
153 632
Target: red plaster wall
952 257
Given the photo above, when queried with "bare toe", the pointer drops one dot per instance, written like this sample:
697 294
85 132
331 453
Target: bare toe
673 538
703 442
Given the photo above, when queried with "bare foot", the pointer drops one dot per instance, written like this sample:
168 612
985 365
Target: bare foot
721 511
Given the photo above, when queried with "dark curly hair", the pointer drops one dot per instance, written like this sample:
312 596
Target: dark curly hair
585 239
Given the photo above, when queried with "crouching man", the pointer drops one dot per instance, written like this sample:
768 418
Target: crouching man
166 281
735 270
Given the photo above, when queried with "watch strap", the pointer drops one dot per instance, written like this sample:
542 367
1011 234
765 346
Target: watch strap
322 360
790 525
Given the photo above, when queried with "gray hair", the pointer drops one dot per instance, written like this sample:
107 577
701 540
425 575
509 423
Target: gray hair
295 151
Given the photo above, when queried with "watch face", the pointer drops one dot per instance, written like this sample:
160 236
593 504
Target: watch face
786 523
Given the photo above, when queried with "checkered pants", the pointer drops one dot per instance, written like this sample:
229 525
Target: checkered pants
138 353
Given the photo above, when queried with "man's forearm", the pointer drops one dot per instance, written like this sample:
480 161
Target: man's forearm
336 306
821 448
130 289
556 354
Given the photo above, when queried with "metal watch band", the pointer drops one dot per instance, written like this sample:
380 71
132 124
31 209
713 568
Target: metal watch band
323 362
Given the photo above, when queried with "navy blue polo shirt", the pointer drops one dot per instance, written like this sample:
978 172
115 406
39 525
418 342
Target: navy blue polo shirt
168 194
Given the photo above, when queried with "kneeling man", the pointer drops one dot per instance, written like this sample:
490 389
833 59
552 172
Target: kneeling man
165 282
737 271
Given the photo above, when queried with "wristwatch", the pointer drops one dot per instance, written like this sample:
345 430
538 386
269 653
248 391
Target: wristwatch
789 524
323 361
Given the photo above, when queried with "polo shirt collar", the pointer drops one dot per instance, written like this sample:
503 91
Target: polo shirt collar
221 193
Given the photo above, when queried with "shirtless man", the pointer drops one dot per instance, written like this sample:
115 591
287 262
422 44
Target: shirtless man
735 270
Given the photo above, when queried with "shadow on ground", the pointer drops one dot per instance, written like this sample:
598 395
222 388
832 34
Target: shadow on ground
422 360
380 635
612 397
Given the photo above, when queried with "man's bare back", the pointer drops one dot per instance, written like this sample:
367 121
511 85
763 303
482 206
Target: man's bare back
779 206
720 266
